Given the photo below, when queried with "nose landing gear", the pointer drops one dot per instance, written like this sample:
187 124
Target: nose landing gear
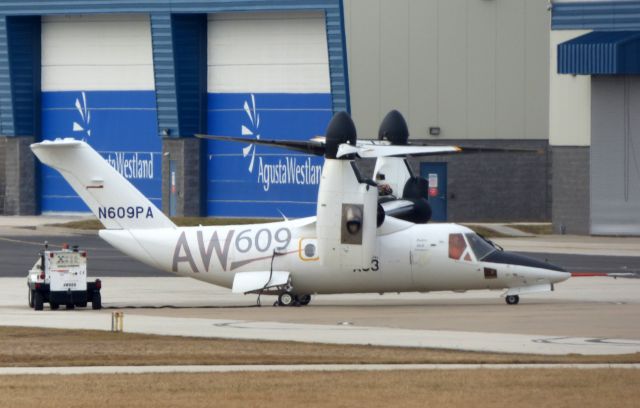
512 299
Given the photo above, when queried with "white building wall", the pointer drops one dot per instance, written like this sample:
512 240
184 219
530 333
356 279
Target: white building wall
569 99
477 69
265 53
97 52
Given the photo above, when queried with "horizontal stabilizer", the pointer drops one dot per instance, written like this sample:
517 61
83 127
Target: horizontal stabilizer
246 282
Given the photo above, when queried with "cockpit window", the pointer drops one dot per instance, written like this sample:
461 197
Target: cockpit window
457 245
480 247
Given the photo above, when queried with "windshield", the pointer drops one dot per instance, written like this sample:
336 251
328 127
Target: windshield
480 247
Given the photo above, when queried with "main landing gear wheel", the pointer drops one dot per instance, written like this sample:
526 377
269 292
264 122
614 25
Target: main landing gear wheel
512 299
285 299
303 300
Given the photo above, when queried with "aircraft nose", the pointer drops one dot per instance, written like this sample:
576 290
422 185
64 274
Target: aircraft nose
511 258
547 271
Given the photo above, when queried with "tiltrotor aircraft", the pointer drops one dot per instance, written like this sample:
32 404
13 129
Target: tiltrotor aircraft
359 241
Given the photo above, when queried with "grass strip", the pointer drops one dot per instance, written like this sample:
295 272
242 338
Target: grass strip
467 388
59 347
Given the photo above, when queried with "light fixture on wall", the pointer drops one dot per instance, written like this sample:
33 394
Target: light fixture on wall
434 130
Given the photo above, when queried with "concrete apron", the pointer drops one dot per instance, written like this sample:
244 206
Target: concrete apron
330 334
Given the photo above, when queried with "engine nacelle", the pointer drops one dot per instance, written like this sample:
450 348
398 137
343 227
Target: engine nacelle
347 216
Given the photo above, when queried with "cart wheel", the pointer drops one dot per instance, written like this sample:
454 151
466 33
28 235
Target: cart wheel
96 301
31 297
38 301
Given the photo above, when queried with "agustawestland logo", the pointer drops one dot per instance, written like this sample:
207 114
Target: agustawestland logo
251 128
84 124
289 170
132 165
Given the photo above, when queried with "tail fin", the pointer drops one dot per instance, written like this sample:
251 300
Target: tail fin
111 198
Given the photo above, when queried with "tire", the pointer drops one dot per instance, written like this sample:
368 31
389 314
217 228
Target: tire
512 299
31 294
54 306
304 300
286 299
38 301
96 301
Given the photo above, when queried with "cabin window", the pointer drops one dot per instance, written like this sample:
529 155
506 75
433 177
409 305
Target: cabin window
457 246
480 247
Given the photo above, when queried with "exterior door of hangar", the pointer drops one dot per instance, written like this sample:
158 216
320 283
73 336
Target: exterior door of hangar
615 155
436 175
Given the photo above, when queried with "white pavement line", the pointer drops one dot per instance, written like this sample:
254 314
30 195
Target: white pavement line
294 367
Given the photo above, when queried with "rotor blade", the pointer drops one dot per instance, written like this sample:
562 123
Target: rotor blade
309 147
480 149
370 149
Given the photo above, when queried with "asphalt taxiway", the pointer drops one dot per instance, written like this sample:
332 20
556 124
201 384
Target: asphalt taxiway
594 315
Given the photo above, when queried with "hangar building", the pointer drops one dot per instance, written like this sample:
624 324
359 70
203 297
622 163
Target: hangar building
138 79
594 129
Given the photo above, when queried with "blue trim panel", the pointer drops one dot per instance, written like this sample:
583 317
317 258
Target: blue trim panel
345 62
279 181
6 98
601 53
337 48
45 7
602 15
190 56
164 74
121 125
20 75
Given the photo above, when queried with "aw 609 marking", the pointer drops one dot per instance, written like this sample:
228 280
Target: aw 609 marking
248 240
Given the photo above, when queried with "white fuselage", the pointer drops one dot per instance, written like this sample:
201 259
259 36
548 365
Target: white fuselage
409 257
349 247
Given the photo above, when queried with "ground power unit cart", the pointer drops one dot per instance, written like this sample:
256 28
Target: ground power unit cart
59 277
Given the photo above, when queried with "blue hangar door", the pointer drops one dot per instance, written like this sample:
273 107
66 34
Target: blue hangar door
98 86
436 175
268 77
